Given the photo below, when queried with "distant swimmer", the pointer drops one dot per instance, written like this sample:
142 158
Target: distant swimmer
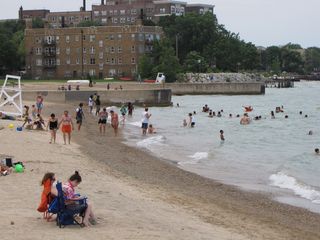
317 151
248 108
272 115
230 115
305 116
310 132
184 123
286 116
194 113
245 120
238 115
278 109
210 114
219 114
221 135
300 112
205 108
178 105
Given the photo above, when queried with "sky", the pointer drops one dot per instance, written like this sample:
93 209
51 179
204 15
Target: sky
262 22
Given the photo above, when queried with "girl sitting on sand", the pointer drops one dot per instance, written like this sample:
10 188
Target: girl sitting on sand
69 191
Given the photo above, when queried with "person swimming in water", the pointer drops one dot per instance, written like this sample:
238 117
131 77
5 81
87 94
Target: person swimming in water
210 114
317 151
184 123
245 120
219 114
272 115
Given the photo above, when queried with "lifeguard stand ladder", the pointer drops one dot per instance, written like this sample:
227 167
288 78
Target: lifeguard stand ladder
9 95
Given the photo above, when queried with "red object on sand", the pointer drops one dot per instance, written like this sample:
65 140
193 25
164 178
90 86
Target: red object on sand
126 79
149 81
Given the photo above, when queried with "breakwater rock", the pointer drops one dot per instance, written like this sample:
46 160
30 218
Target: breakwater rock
221 78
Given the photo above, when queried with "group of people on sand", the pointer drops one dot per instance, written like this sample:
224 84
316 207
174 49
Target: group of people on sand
35 121
72 200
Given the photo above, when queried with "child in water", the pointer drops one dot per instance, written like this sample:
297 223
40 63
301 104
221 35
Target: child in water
151 129
184 123
221 135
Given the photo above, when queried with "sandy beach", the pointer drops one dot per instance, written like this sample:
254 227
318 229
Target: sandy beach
135 195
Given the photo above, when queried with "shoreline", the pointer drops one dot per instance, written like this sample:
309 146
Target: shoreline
213 201
138 193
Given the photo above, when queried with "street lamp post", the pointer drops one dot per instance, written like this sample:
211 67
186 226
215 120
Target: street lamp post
82 54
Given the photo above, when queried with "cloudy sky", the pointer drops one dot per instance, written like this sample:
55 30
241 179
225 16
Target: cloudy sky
263 22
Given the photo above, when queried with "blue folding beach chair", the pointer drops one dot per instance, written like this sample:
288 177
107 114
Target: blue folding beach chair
66 214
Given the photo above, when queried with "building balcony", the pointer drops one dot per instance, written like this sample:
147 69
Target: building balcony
149 42
49 66
49 43
49 54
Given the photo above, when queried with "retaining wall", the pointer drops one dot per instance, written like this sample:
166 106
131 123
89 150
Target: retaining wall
155 97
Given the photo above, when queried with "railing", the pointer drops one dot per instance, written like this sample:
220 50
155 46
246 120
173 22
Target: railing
49 43
49 54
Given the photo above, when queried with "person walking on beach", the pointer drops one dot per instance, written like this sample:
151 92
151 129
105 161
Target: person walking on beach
39 104
98 104
145 121
66 126
103 116
114 122
53 126
90 104
79 116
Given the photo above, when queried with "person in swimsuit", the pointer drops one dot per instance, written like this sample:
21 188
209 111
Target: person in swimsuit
66 126
39 103
39 122
27 119
221 135
98 103
90 104
130 109
103 116
123 111
114 122
53 126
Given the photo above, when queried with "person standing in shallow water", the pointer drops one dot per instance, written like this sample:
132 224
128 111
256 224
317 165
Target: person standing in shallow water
114 122
145 121
103 116
221 135
130 109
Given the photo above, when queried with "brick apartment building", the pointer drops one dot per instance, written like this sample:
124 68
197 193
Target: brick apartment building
101 52
117 12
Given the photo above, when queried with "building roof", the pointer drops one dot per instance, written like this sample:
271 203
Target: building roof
169 1
200 5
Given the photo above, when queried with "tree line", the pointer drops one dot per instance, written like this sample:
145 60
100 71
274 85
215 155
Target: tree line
191 43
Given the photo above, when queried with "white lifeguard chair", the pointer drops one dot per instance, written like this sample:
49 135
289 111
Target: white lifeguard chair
11 95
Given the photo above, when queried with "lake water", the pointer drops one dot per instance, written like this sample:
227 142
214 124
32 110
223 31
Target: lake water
270 155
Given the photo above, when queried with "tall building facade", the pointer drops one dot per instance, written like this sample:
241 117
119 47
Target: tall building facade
100 52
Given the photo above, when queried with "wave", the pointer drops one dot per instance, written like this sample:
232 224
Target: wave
195 158
136 124
284 181
146 143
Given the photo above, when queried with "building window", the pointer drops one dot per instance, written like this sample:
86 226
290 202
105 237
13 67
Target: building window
101 55
110 12
120 60
67 39
92 61
115 12
133 11
92 72
107 50
83 37
100 66
108 61
162 10
133 37
78 61
86 18
78 50
112 49
133 19
68 61
104 13
92 50
122 20
141 37
133 60
84 50
115 20
38 51
68 51
58 51
173 9
128 19
119 37
113 61
104 20
119 49
84 61
77 38
100 43
39 62
96 13
112 72
122 12
58 61
92 38
133 49
111 37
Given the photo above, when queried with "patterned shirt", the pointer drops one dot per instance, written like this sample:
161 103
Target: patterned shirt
68 190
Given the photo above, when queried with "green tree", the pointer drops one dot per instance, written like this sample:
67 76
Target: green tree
195 63
312 60
145 67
